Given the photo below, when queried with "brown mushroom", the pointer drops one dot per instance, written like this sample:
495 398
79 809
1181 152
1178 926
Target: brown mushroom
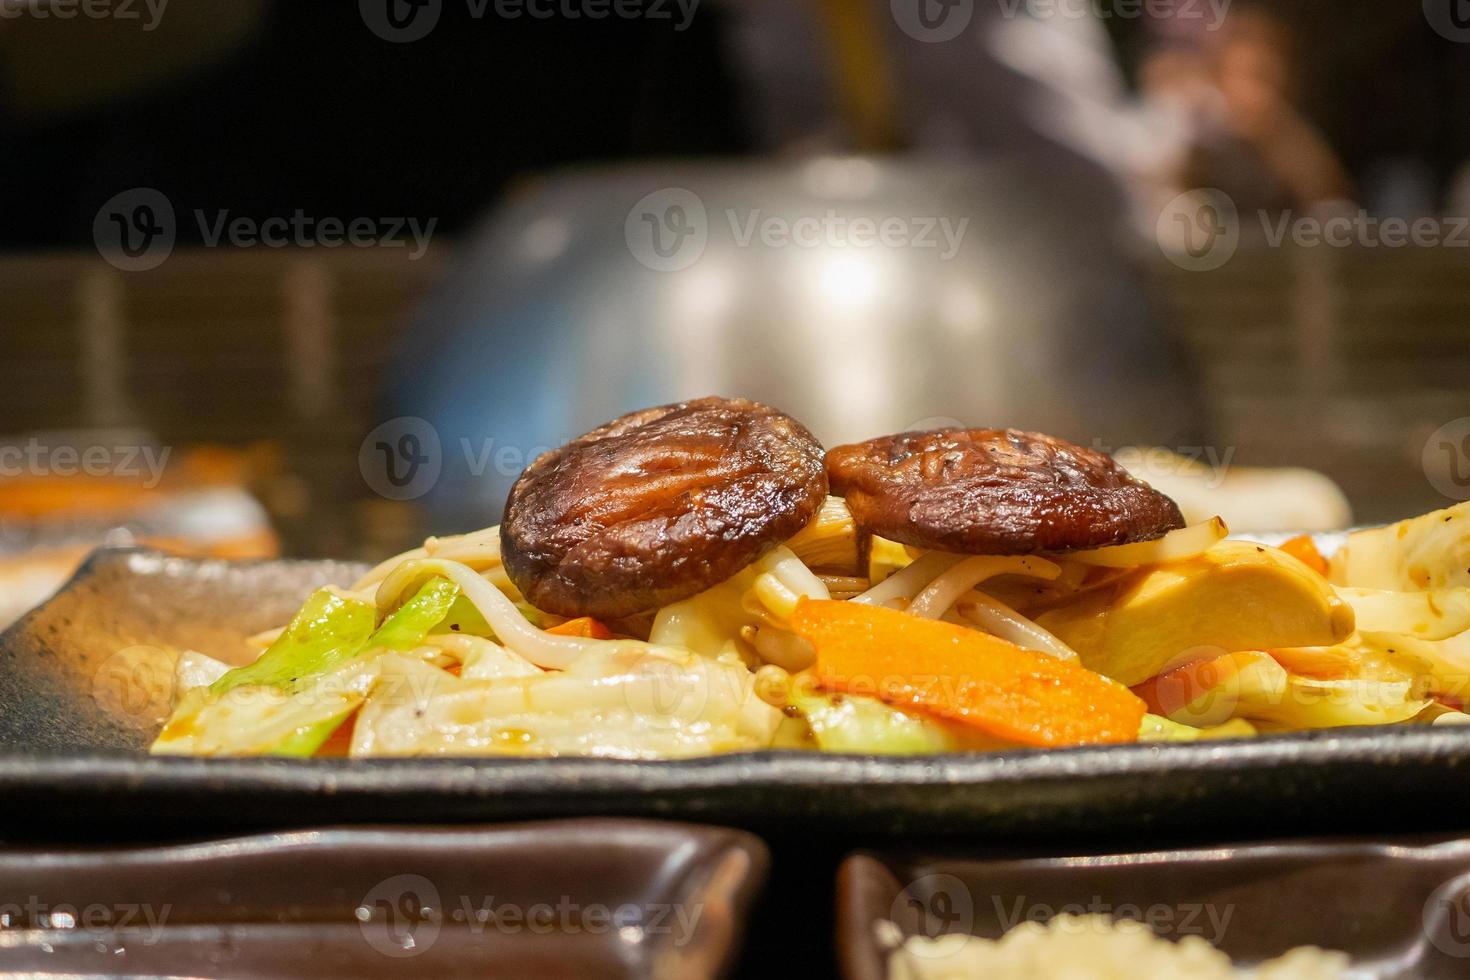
659 505
995 492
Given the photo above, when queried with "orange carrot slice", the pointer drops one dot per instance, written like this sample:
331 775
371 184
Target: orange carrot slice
339 744
964 675
584 626
1304 550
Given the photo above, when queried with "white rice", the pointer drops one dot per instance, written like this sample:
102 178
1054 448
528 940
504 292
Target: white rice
1095 947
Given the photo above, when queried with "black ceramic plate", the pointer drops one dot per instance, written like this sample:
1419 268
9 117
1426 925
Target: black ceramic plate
576 898
75 715
1399 910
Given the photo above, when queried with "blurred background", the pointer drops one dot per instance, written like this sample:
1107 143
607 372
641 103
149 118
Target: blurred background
304 278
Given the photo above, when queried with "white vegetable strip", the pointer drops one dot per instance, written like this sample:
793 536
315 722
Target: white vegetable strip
1186 542
905 582
382 569
784 565
786 650
945 590
997 618
478 549
511 628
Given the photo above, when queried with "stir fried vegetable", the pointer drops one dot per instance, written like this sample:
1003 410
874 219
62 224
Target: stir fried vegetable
1235 596
852 723
329 629
965 676
922 652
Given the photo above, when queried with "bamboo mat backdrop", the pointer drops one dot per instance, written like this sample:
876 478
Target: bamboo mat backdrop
1342 360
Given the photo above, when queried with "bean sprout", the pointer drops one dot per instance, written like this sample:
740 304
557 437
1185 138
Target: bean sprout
941 593
511 628
997 618
907 581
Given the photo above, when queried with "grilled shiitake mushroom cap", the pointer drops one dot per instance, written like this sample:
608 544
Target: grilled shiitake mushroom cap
658 505
995 492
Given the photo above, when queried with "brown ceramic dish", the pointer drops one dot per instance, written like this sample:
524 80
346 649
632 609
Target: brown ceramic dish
75 717
579 898
1399 910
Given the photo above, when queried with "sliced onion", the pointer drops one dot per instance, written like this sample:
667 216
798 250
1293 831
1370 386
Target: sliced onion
1186 542
478 549
907 581
999 619
945 590
792 574
511 628
381 571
